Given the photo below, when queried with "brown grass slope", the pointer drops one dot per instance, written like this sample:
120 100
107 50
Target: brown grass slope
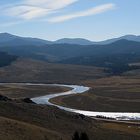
26 70
15 91
31 121
17 130
117 94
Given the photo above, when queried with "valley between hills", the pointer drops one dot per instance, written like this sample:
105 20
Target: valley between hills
114 79
46 122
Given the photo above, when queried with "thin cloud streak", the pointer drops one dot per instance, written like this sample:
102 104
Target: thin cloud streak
26 12
38 10
30 9
9 24
93 11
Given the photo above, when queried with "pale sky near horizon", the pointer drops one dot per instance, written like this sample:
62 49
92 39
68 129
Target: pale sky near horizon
54 19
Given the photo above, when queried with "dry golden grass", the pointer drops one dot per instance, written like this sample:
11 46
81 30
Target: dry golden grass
123 128
29 91
16 130
22 121
117 94
27 70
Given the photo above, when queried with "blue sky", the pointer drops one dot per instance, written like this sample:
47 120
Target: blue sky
54 19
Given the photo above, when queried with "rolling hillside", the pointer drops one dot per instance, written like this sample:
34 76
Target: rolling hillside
116 56
6 59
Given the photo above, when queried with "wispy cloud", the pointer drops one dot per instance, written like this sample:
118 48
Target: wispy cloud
30 9
89 12
25 12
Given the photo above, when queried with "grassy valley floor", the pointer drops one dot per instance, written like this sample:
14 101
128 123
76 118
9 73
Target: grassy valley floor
115 94
16 91
20 120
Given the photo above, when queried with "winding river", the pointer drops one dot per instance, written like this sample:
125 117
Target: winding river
75 89
78 90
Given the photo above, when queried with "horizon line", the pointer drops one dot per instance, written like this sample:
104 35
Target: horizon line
137 35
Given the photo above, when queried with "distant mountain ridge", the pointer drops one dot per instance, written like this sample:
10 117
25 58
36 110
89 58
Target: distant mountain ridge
81 41
6 38
126 37
78 41
115 54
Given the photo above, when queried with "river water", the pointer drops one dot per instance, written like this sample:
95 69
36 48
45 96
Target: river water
78 90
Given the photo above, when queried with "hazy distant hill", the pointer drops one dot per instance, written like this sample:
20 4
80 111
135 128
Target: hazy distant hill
67 52
126 37
81 41
116 55
78 41
7 39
